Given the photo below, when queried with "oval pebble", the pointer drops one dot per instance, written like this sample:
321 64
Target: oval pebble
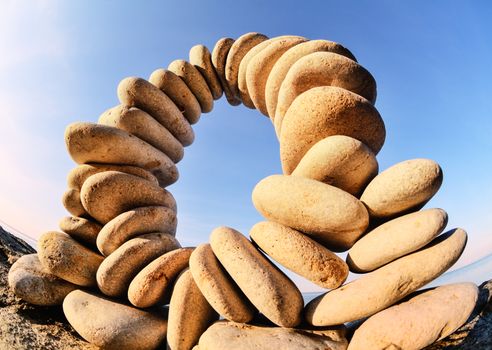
71 202
201 58
81 229
219 58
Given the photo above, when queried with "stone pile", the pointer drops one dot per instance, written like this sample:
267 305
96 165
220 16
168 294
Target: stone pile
117 263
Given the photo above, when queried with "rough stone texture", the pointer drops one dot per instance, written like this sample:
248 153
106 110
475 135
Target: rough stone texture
80 229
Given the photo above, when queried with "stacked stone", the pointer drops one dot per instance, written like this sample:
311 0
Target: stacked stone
117 262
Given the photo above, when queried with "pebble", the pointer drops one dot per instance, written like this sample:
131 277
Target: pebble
201 58
81 229
219 58
71 202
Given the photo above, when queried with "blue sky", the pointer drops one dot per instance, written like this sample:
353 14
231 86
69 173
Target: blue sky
61 62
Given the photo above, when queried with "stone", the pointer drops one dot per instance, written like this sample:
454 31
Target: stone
118 269
418 322
201 58
111 325
326 111
340 161
195 82
176 89
146 128
323 69
133 223
138 92
402 188
292 55
81 229
62 256
71 202
300 254
219 58
396 238
189 314
385 286
266 287
217 287
107 195
94 143
327 214
153 283
29 280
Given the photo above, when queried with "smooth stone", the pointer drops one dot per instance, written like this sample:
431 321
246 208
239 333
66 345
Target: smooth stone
81 229
219 58
340 161
201 58
30 281
176 89
217 287
64 257
266 287
118 269
327 214
138 92
323 69
283 64
300 254
154 282
94 143
71 202
107 195
133 223
396 238
146 128
387 285
189 314
404 187
195 81
111 325
421 321
326 111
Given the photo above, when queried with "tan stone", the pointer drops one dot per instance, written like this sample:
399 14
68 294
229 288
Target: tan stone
111 325
217 287
329 215
326 111
133 223
118 269
201 58
195 81
94 143
176 89
385 286
396 238
219 58
323 69
71 202
283 64
146 128
189 314
107 195
340 161
421 321
81 229
30 281
64 257
300 254
404 187
268 289
153 283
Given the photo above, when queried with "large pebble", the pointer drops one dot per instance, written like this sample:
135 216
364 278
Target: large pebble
396 238
385 286
71 202
326 111
268 289
30 281
326 213
111 325
201 58
404 187
219 59
81 229
421 321
64 257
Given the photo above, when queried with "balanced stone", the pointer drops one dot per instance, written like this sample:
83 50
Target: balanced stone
219 58
202 60
326 213
300 254
81 229
421 321
396 238
404 187
30 281
71 202
383 287
111 325
217 287
268 289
